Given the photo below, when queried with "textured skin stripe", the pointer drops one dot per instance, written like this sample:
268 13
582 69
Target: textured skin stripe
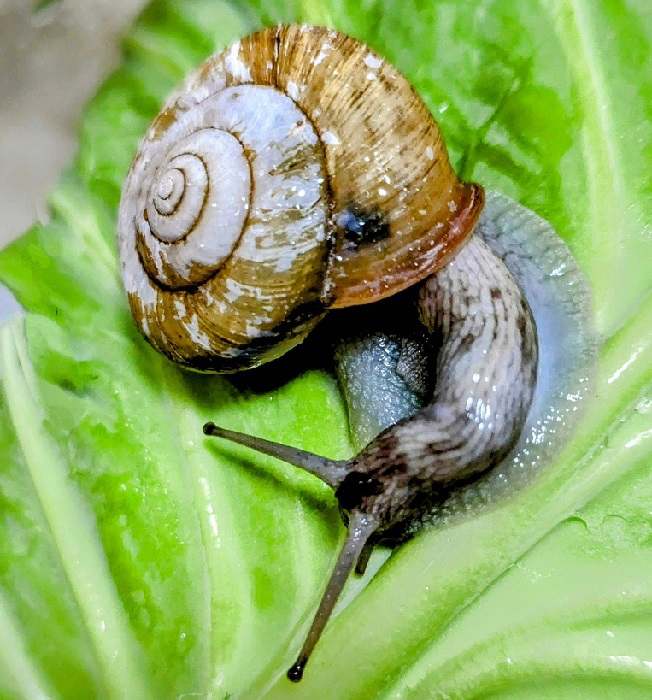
486 375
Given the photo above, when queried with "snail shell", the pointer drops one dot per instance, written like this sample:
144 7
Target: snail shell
293 172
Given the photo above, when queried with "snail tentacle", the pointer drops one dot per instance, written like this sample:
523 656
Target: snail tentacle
361 527
330 471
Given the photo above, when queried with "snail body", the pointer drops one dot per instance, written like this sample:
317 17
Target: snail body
501 405
298 172
486 370
388 368
486 376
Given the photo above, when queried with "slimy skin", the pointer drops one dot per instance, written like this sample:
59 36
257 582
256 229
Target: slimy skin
486 375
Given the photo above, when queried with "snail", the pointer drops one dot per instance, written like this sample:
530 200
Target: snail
297 173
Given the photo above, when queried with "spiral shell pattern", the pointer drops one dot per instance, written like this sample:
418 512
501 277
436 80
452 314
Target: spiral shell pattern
294 171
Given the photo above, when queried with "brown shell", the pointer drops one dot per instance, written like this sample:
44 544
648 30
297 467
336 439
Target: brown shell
394 209
399 209
388 167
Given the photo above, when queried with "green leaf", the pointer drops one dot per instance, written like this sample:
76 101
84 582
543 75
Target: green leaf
44 4
139 560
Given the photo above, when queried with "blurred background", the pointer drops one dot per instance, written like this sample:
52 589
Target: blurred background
55 53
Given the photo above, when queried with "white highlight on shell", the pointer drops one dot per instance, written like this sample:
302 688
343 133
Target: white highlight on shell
236 66
194 91
330 138
180 310
372 61
286 261
430 154
197 335
293 90
253 331
325 49
234 290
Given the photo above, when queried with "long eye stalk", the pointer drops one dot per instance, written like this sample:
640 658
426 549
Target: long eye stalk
328 470
361 527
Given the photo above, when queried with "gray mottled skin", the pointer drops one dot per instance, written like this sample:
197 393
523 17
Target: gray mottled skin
486 375
383 360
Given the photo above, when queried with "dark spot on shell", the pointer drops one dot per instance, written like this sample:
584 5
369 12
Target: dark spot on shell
293 322
355 487
496 293
363 227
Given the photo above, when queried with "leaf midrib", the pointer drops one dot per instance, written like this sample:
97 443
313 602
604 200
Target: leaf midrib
78 547
603 164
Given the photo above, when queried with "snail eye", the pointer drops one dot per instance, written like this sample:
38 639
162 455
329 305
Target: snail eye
355 487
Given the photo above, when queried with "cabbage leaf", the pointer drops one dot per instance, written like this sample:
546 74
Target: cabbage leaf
138 560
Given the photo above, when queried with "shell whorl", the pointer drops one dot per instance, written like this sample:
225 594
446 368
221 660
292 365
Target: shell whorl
294 171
